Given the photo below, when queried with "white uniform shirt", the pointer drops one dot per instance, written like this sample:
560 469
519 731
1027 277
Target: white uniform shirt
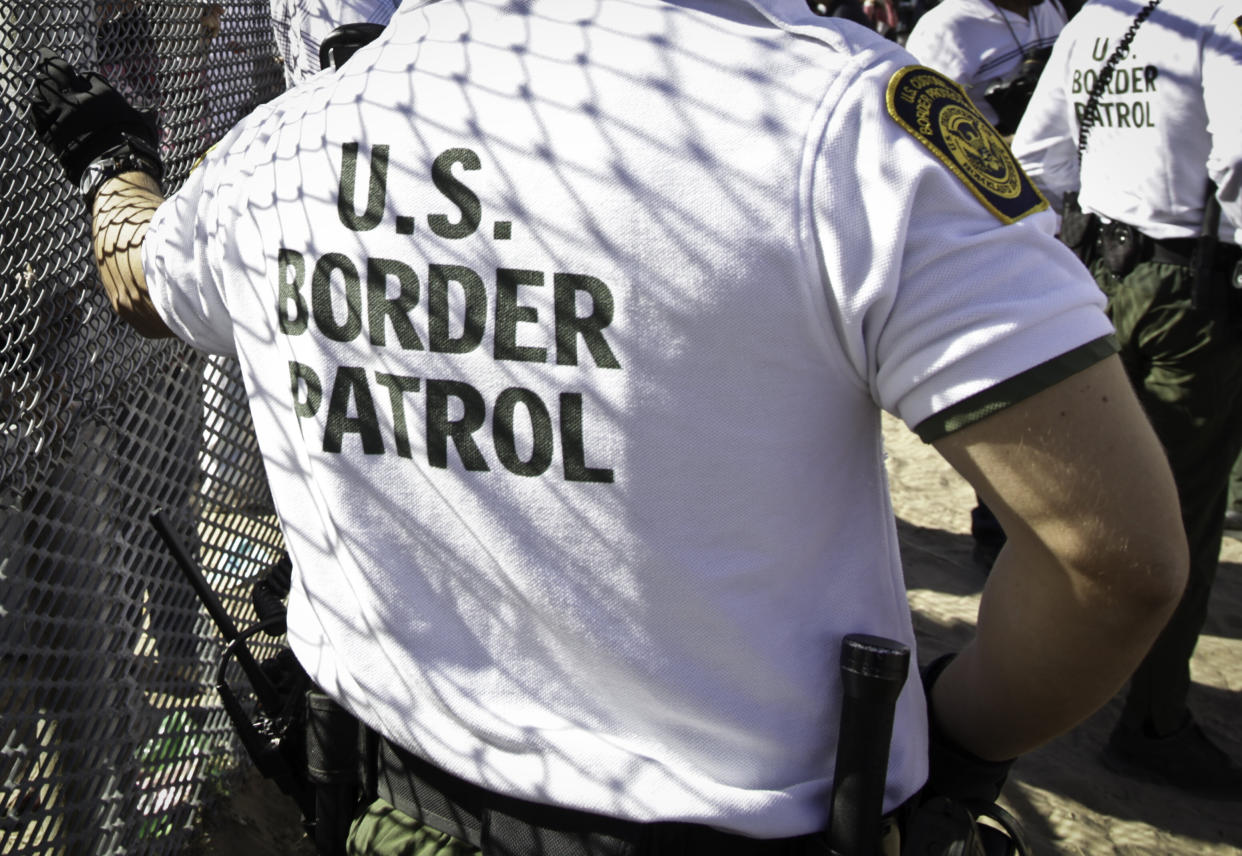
1169 120
566 344
977 43
300 26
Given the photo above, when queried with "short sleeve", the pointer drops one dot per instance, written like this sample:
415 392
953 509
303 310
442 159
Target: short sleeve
1046 142
943 277
1222 80
184 284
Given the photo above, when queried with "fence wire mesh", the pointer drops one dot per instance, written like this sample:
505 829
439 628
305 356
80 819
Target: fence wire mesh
110 733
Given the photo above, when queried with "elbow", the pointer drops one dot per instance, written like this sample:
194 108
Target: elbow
1160 583
1142 578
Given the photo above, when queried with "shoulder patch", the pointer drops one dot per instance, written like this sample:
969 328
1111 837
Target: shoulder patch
938 113
1237 22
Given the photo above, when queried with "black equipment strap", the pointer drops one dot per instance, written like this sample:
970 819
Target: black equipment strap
501 825
1105 76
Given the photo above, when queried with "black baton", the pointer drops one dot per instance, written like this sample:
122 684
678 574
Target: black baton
873 671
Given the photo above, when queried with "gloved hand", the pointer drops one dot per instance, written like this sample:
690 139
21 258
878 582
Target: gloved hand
954 772
82 119
961 787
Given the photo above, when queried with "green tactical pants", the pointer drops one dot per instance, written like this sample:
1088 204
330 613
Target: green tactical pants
1186 367
382 830
1235 486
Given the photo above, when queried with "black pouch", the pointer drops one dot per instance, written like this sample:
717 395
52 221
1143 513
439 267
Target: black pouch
1078 228
1119 247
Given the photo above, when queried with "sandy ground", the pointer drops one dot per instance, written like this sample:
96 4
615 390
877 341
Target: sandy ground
1066 800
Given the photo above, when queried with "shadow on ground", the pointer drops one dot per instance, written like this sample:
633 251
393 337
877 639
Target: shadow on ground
1067 800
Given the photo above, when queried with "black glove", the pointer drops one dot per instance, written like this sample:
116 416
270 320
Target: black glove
952 771
961 787
82 119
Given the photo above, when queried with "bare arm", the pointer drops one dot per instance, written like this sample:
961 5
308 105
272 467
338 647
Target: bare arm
123 209
1095 563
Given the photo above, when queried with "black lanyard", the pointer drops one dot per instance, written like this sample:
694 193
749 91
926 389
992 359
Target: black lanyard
1105 76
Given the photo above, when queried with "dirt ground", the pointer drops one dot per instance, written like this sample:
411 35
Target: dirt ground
1066 800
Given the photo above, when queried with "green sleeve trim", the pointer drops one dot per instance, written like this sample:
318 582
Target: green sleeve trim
996 398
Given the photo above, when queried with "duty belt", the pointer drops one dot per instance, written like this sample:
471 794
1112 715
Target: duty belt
1169 251
506 826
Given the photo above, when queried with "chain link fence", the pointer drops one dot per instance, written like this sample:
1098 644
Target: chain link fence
111 735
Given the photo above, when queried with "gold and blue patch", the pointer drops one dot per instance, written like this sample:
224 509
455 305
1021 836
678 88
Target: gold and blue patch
938 113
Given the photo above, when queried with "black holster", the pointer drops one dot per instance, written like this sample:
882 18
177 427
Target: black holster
1079 229
1121 247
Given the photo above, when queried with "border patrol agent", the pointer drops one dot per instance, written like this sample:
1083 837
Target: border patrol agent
567 330
1165 124
980 43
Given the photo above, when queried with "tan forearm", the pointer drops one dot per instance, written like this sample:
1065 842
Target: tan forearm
123 209
1033 674
1095 562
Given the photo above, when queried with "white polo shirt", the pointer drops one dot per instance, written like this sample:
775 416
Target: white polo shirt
1168 121
567 328
977 43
